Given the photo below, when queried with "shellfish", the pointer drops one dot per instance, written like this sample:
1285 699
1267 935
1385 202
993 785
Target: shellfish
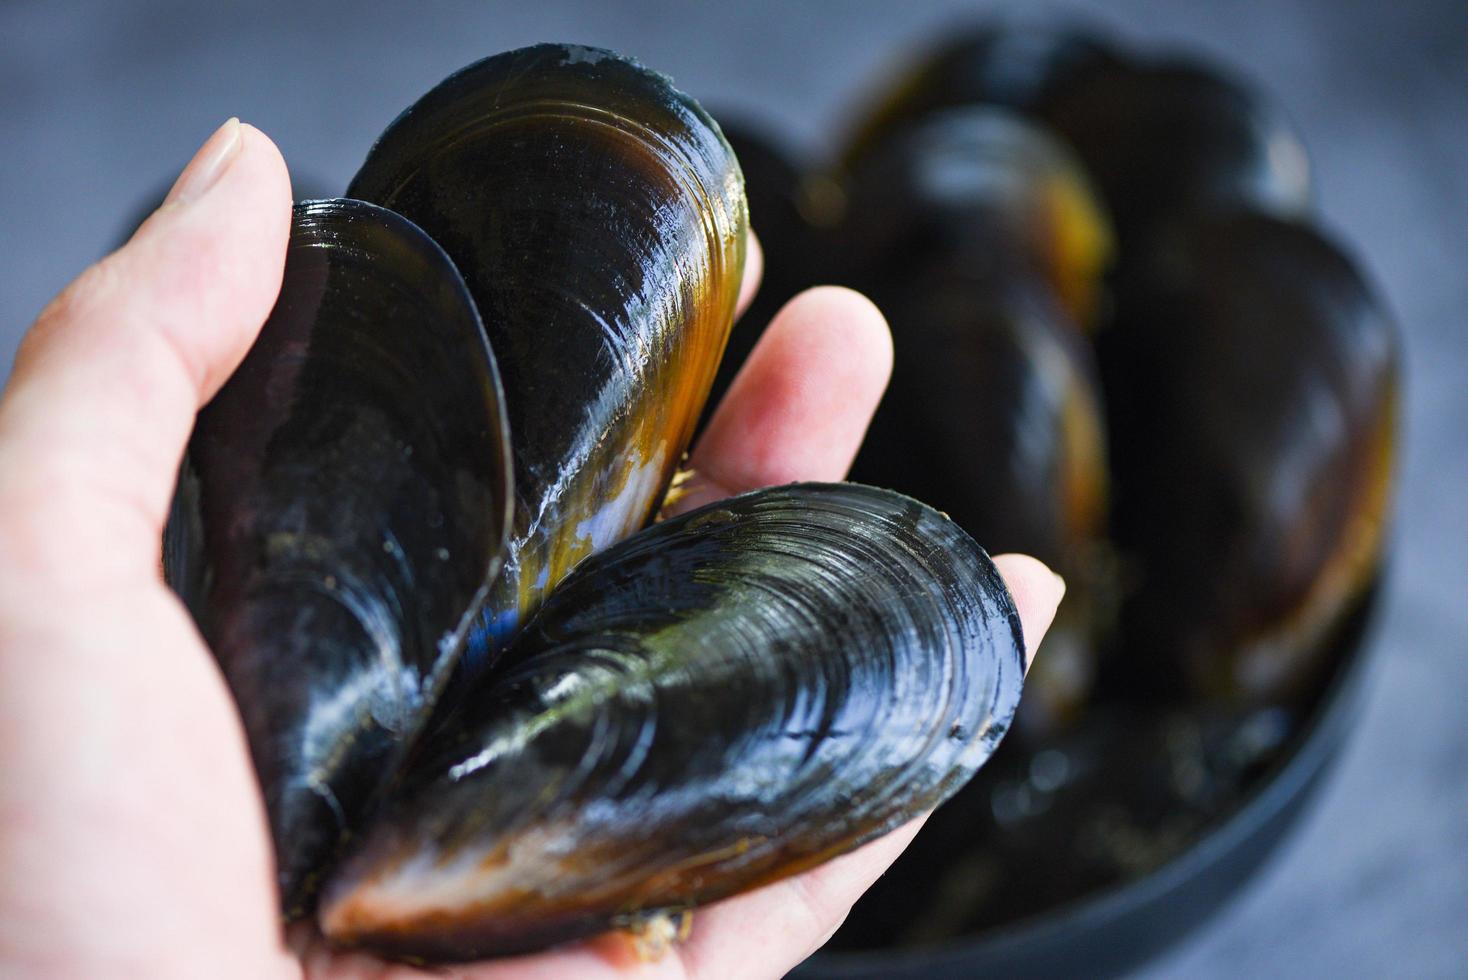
1256 377
766 682
979 238
599 219
721 700
344 500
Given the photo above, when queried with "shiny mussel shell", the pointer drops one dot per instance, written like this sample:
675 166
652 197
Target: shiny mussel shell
728 697
1255 375
971 226
985 189
1167 137
599 219
1018 66
342 504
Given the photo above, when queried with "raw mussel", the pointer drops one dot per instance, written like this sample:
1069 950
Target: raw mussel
1160 136
1016 66
724 699
599 219
970 229
981 188
1255 374
1169 136
729 697
343 502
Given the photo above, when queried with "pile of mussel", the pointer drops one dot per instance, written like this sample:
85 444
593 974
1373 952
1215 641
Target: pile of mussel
491 703
1123 346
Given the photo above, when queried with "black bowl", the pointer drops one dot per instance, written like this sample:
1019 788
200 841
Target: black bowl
1117 928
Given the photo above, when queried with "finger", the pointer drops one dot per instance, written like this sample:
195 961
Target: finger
754 267
1037 592
107 382
800 406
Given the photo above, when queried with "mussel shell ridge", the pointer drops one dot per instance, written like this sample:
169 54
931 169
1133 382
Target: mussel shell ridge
599 219
343 502
724 699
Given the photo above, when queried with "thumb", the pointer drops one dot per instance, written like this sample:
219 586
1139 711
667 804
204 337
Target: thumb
108 380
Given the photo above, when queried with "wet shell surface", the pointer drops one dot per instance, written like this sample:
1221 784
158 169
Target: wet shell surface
714 702
1256 373
342 504
599 219
724 699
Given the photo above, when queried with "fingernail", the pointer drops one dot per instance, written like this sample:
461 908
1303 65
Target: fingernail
207 166
1060 582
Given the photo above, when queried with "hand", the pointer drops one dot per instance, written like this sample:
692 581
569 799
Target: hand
133 840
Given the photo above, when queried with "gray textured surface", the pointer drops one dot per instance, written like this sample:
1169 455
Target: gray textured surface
101 103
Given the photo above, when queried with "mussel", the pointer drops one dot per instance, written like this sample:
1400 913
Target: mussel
722 699
719 701
1248 383
979 238
982 188
1167 137
1160 135
343 502
599 218
1255 374
1015 66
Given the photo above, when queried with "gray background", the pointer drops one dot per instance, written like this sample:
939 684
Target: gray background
100 104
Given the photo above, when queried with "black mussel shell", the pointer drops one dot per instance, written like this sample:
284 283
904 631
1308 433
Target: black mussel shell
1015 65
599 219
1167 137
970 229
993 414
1255 375
728 697
342 505
981 189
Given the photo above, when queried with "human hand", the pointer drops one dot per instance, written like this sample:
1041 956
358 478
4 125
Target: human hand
133 839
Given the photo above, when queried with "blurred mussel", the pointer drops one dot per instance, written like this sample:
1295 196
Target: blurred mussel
721 700
1255 377
978 237
1208 459
1161 135
1017 66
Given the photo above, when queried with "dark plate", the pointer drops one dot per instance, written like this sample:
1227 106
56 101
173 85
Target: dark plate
1116 928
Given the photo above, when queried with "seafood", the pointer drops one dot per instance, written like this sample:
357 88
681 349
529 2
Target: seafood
1166 137
982 189
971 229
1256 377
344 500
765 683
724 699
599 219
1160 136
1018 67
1248 382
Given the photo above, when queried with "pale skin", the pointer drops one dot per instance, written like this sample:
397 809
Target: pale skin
133 840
